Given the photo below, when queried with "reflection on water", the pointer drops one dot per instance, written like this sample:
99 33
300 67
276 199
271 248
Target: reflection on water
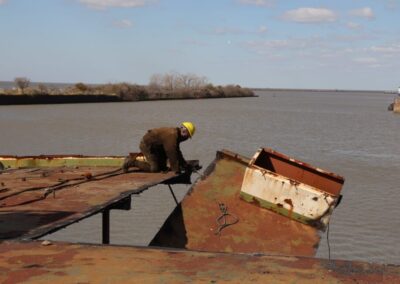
351 134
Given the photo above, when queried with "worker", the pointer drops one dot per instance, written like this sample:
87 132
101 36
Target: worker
159 145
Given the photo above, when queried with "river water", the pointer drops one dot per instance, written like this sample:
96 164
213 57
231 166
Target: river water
349 133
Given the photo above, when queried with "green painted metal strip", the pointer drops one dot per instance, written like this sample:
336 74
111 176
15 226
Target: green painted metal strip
273 207
62 161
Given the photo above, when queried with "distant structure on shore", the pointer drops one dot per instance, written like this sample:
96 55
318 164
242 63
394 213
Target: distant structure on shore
395 106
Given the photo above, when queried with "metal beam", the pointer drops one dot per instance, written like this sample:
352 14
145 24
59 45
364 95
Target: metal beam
106 226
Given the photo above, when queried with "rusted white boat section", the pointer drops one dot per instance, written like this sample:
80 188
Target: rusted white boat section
291 188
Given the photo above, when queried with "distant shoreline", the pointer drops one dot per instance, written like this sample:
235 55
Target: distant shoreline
10 84
123 92
180 87
75 99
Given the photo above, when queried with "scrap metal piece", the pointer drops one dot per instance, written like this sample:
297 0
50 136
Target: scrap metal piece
291 188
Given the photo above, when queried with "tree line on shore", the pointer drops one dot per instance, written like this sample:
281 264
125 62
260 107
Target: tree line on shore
161 87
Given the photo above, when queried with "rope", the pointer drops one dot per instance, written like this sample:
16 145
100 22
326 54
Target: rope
197 172
173 195
223 218
329 247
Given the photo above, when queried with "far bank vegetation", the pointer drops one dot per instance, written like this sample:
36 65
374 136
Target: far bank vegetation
161 87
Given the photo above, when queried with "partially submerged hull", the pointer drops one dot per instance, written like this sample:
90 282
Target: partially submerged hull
194 225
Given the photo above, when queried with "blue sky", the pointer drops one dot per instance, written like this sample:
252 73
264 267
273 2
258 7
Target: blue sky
341 44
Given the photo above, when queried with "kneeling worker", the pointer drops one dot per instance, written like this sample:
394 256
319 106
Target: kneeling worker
160 144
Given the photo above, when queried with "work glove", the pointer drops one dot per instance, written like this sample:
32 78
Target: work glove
192 168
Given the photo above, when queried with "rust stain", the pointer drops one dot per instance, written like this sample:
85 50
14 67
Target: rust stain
289 201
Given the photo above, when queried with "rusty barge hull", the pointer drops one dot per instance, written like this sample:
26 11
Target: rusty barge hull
76 263
196 224
42 194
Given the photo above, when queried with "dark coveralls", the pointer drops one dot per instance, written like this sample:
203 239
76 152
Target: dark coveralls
157 146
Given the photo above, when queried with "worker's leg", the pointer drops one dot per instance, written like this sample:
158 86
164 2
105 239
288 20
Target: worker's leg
162 161
151 163
128 162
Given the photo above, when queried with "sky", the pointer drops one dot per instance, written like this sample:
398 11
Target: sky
341 44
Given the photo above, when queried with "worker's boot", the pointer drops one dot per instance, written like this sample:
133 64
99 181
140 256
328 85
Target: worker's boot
128 163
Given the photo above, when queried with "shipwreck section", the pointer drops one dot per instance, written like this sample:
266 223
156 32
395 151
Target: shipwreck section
42 194
291 188
213 217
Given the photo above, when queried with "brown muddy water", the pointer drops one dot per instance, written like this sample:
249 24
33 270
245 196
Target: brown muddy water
350 133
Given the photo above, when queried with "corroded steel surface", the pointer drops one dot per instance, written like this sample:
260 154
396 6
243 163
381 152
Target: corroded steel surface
193 225
299 171
37 201
75 263
291 187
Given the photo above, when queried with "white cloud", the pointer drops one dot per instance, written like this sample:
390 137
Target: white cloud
353 26
388 49
391 4
262 29
123 24
195 42
291 46
310 15
103 4
227 30
256 2
365 12
269 44
221 31
368 60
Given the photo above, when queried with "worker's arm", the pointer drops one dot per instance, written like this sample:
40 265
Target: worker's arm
174 155
170 151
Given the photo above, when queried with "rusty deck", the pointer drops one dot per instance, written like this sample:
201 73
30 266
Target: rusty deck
39 195
76 263
198 223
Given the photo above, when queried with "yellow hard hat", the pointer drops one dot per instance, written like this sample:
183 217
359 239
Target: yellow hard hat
190 127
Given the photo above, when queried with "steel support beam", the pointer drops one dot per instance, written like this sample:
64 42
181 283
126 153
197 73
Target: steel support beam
106 226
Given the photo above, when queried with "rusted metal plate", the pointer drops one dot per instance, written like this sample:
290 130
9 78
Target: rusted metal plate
76 263
291 188
39 200
195 225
